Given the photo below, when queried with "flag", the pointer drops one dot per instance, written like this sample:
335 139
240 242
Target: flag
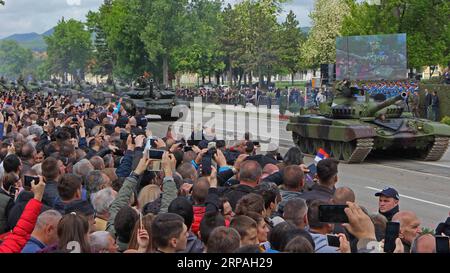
321 154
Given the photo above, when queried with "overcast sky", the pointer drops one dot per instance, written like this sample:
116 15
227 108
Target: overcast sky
25 16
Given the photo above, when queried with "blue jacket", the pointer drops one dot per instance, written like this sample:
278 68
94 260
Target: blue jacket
33 246
125 167
50 193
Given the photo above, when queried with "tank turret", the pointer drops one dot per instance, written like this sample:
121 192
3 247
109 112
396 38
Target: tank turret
363 107
375 108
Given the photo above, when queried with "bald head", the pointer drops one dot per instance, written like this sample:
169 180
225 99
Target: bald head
403 217
409 226
250 172
200 190
424 244
270 169
343 195
97 162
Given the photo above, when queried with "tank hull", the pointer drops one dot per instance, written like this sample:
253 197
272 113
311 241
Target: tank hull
352 140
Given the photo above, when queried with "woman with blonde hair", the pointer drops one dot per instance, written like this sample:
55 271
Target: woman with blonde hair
148 194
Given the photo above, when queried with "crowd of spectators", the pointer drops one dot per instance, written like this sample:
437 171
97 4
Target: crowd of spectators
81 179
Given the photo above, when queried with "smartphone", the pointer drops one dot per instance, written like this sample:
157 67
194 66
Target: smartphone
187 148
332 214
155 154
206 165
256 143
29 179
392 231
442 244
333 240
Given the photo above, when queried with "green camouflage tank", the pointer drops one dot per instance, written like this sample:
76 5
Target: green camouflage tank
350 128
152 101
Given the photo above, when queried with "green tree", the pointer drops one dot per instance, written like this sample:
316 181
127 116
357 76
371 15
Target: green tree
123 23
2 2
327 19
164 31
291 38
103 56
69 49
13 59
200 52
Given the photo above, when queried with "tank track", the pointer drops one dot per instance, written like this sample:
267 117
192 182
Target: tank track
437 150
362 150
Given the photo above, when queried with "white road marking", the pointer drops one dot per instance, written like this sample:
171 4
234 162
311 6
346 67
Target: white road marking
430 163
406 170
413 198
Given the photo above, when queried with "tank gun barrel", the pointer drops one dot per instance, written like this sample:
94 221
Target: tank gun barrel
386 103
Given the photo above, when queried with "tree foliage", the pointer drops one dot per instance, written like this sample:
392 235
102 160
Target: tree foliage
327 19
69 49
14 59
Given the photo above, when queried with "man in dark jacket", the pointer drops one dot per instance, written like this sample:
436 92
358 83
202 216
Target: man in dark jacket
388 202
428 101
51 170
435 106
249 176
327 171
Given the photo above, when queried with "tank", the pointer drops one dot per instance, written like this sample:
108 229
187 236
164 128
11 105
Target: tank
350 128
147 99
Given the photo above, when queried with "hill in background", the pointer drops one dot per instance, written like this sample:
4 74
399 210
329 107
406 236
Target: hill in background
32 41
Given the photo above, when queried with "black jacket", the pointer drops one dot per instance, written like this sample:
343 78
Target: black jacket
390 213
236 192
19 206
319 192
428 99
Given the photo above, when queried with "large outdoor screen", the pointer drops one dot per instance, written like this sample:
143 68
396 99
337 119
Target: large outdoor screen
371 57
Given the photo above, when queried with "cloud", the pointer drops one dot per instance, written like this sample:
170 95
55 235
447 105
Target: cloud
24 16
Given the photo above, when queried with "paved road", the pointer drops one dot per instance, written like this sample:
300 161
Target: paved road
424 186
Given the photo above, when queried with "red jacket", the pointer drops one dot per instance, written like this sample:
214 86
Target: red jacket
22 232
199 212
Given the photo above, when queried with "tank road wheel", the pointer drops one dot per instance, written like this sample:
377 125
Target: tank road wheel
310 146
301 143
347 150
336 149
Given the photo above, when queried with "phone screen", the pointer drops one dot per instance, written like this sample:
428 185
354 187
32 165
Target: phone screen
155 154
332 214
206 165
333 240
442 244
28 180
392 231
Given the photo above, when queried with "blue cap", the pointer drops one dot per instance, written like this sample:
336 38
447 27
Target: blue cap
388 192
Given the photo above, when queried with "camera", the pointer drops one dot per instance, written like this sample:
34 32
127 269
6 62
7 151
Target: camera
333 214
155 154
